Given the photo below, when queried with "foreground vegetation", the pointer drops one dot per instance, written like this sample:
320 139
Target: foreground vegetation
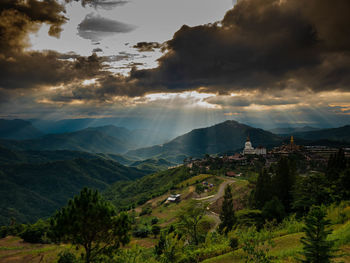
278 216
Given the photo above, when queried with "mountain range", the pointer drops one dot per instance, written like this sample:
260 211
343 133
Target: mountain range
40 174
224 137
290 130
129 146
106 139
341 134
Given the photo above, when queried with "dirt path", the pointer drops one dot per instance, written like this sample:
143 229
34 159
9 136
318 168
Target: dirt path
211 199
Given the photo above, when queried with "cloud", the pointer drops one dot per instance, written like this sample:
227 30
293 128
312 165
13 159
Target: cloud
34 69
23 71
18 18
97 50
264 45
147 46
105 4
247 100
260 45
95 27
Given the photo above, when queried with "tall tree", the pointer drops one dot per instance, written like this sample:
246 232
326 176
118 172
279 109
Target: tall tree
284 181
309 191
336 164
316 247
92 223
227 214
190 218
262 192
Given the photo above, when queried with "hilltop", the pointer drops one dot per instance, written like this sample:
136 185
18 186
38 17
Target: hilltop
224 137
18 129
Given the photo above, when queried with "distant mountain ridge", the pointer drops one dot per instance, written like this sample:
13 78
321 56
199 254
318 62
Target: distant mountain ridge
142 131
222 137
290 130
21 135
84 140
8 156
18 130
333 134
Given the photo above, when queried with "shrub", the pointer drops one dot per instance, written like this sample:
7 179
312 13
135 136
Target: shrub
141 232
67 257
13 230
233 243
36 233
146 210
250 218
154 221
155 230
292 225
273 209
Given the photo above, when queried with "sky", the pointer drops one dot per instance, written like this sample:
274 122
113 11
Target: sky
186 63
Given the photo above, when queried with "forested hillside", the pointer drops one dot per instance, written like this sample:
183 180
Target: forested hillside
29 191
128 194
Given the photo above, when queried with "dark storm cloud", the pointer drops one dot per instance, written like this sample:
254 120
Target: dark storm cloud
147 46
21 69
245 101
105 4
108 4
260 44
18 18
95 27
30 70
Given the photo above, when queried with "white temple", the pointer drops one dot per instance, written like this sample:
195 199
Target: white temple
249 149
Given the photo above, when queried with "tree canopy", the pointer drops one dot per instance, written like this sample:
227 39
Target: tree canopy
91 222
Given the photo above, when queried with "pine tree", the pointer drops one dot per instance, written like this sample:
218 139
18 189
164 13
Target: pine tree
227 214
92 223
284 181
316 247
336 164
262 192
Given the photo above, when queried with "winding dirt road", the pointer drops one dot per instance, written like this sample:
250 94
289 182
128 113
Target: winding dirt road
211 199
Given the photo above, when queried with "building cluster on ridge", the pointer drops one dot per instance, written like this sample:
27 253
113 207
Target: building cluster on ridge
249 149
311 154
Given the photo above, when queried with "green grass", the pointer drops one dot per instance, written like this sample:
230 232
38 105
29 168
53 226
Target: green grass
341 235
194 180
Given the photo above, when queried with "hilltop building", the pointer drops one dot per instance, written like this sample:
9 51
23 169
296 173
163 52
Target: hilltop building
287 149
249 149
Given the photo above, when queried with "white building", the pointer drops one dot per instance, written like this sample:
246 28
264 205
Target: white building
249 149
174 198
260 150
